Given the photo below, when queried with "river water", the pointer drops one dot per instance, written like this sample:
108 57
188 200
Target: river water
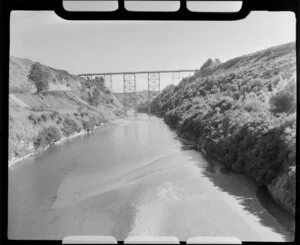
136 177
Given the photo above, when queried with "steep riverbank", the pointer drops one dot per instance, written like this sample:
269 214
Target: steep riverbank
68 105
120 120
243 113
277 188
61 141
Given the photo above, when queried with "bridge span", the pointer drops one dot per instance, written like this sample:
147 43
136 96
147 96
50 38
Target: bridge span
129 81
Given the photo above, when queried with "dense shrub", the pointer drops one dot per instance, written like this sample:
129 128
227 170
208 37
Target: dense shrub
94 98
54 115
225 110
209 64
254 143
163 102
47 136
89 124
260 156
284 100
82 111
70 126
44 117
249 140
100 83
59 120
253 104
34 119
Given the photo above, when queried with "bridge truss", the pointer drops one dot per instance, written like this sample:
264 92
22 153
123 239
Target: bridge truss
129 89
175 78
153 86
129 83
108 81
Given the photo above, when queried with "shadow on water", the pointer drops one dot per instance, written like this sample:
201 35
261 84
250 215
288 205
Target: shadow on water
186 144
279 213
253 198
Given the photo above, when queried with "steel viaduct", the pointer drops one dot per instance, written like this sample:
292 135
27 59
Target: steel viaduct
129 81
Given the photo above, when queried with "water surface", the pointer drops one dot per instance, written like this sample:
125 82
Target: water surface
136 177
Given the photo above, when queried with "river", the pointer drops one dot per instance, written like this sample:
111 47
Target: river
136 177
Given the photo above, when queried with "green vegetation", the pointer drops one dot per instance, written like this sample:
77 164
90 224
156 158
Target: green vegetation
96 93
89 124
94 98
164 102
39 77
209 65
47 137
243 113
284 100
71 126
47 127
42 97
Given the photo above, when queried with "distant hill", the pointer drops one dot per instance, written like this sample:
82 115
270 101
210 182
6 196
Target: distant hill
243 113
141 98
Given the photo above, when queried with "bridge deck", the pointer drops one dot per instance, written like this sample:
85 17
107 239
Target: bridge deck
135 72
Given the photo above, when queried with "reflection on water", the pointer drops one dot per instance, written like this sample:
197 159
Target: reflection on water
137 177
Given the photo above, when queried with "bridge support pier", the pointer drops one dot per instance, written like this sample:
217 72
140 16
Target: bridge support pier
108 81
175 78
129 83
129 89
153 85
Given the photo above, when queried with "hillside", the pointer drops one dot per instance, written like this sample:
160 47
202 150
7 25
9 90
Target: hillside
69 104
243 113
141 98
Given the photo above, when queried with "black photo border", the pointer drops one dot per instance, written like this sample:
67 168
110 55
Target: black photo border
6 6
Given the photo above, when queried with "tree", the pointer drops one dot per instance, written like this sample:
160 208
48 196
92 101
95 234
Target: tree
284 100
89 124
39 77
217 61
94 98
206 64
100 83
70 126
210 64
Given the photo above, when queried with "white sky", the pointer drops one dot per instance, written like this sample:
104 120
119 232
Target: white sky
113 46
